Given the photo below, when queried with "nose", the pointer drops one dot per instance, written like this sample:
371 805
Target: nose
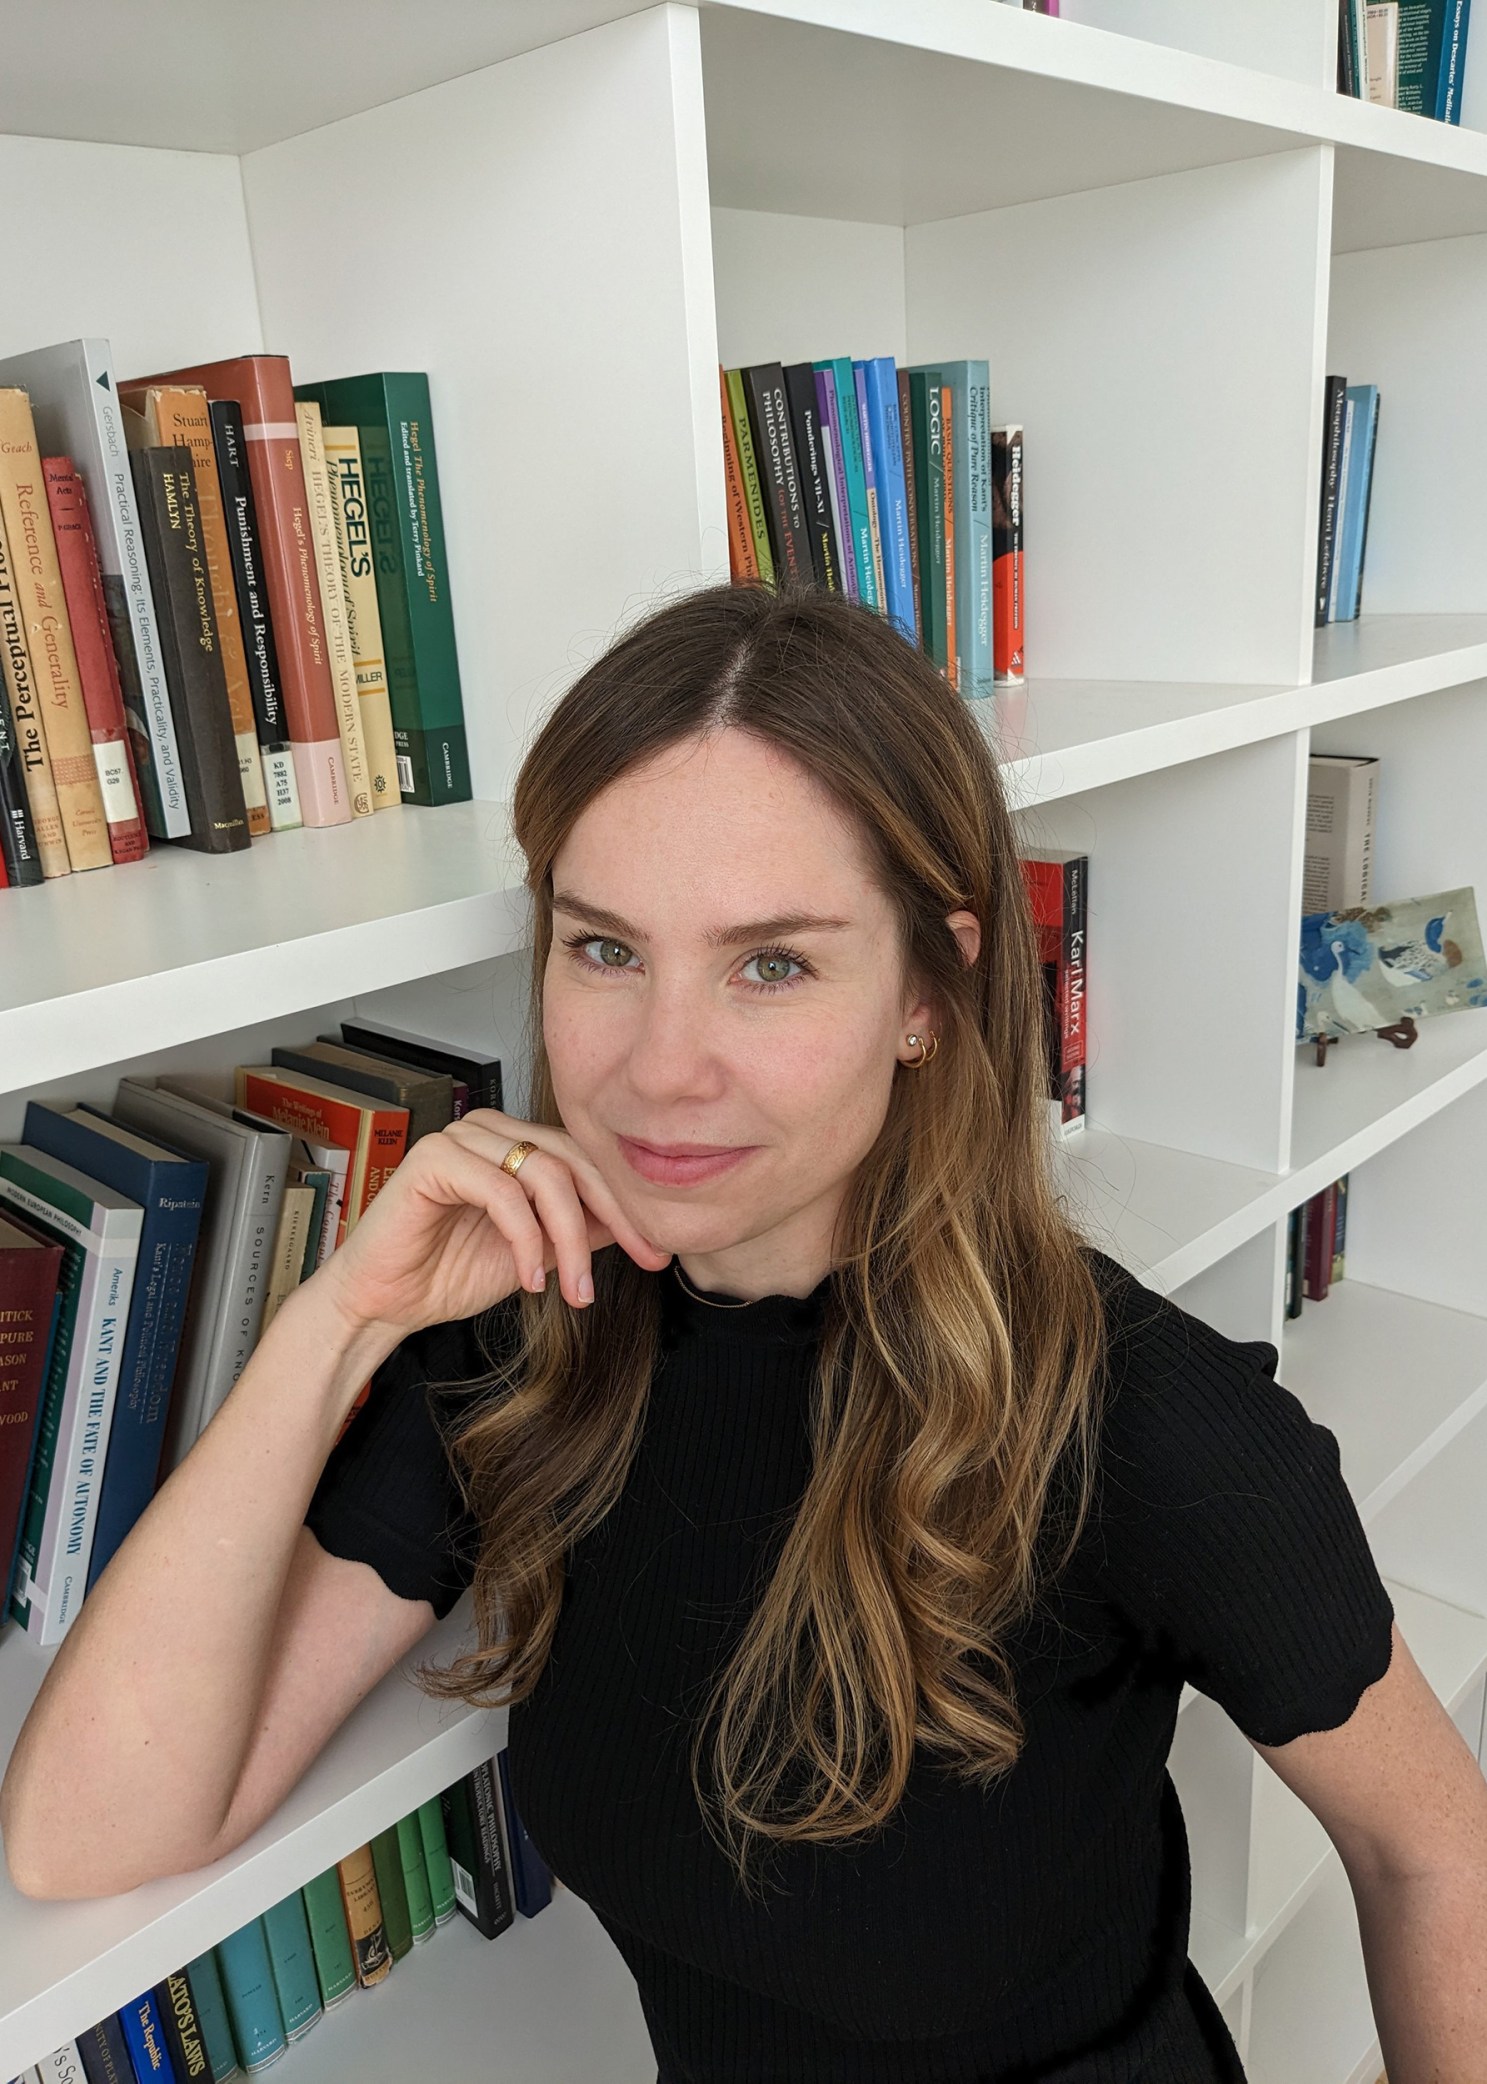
674 1051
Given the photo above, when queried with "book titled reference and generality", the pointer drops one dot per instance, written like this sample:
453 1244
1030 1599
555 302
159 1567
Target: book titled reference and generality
224 607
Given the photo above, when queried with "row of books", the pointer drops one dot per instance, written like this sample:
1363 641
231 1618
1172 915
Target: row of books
1349 437
224 607
143 1249
236 2008
1404 54
889 485
1316 1238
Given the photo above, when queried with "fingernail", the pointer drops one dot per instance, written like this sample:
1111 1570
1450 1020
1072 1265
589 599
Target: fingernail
586 1288
539 1279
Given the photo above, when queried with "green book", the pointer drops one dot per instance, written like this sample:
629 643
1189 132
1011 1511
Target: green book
329 1937
390 411
415 1877
436 1859
211 2016
293 1957
929 500
748 471
387 1858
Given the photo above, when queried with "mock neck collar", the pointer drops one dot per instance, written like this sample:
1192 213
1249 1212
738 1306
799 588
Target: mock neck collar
791 1319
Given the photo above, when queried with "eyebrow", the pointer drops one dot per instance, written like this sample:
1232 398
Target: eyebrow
716 936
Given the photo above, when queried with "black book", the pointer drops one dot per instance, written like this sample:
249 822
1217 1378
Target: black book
815 487
17 830
470 1067
180 583
477 1852
104 2053
248 581
1332 430
779 474
176 2008
530 1873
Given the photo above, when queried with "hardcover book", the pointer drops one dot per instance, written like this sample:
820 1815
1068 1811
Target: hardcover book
1057 882
292 1958
144 2034
392 414
207 1995
330 1938
481 1073
252 2000
779 475
104 2053
357 1875
477 1855
436 1859
30 1306
176 2009
415 1878
1342 792
392 1889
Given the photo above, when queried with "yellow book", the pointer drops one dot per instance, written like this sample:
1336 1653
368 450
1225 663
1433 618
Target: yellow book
333 600
37 579
348 506
25 716
363 1902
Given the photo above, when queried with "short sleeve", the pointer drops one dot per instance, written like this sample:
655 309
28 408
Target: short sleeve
1228 1536
388 1495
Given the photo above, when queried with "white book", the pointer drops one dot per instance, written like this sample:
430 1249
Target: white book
1381 52
76 409
63 2066
1341 807
100 1232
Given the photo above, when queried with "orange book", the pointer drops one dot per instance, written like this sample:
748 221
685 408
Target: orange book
176 416
947 401
363 1905
742 563
376 1135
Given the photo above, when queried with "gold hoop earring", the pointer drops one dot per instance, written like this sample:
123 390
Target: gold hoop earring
927 1052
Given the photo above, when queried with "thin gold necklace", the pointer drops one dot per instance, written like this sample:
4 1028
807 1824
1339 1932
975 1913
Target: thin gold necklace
676 1268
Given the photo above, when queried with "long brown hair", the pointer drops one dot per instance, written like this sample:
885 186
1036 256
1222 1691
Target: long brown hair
961 1350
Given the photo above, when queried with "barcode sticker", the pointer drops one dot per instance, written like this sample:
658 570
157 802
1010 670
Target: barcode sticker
464 1887
405 774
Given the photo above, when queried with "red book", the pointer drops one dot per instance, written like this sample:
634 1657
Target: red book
1057 883
264 388
30 1269
742 563
1008 600
1321 1235
98 669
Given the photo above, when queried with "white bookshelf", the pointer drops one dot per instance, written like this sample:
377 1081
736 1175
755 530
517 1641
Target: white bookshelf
1163 227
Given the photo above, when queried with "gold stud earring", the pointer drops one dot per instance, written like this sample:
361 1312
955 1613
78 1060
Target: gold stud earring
927 1051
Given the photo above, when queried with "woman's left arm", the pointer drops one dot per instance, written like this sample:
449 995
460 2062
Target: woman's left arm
1405 1803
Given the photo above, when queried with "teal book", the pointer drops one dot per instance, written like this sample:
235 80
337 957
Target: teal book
928 446
970 420
844 388
416 1877
211 2014
387 1859
436 1859
252 2001
292 1957
390 411
326 1912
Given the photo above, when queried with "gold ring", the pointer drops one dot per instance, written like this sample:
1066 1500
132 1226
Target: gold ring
516 1157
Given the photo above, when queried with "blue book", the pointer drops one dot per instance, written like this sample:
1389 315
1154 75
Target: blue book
252 2000
1353 497
171 1189
1452 61
870 476
530 1873
1344 461
211 2013
144 2036
844 390
880 384
292 1956
970 421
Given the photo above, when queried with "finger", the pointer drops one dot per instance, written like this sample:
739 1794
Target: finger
468 1177
591 1183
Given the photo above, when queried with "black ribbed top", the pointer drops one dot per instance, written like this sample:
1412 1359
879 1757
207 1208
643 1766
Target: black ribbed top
1035 1930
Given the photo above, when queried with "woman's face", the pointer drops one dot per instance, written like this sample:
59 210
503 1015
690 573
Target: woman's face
681 1016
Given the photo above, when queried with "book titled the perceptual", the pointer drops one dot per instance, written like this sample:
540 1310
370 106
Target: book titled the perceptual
1341 809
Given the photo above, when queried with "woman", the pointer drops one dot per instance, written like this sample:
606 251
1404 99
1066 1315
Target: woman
842 1526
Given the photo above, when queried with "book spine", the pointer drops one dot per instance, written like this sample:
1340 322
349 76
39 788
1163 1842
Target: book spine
25 710
357 1875
1331 465
971 382
104 2053
1452 60
62 2065
880 388
330 1937
950 434
20 858
415 1878
1006 557
815 492
1340 521
252 2001
1318 1265
292 1958
275 750
1340 1228
179 582
911 493
929 468
774 451
207 1995
1360 501
144 2036
872 486
1294 1297
348 509
333 608
748 465
476 1889
37 578
436 1859
831 443
387 1858
98 671
742 563
177 2010
844 383
531 1877
1072 990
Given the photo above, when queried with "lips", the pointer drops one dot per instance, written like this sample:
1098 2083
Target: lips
682 1165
